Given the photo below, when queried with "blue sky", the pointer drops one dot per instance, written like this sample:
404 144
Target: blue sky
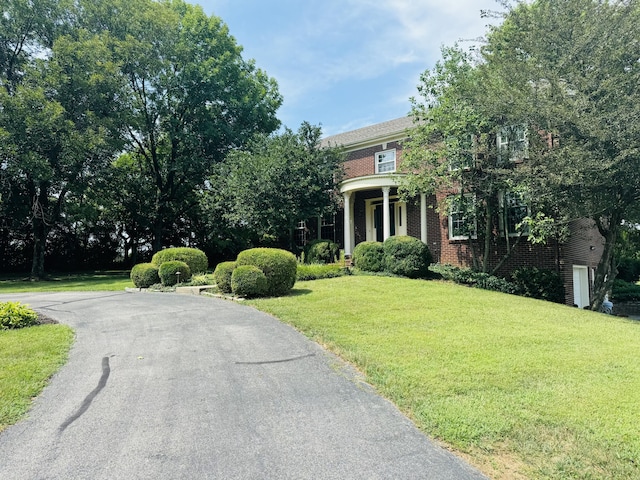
346 64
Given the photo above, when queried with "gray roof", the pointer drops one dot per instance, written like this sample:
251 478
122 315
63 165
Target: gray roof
385 131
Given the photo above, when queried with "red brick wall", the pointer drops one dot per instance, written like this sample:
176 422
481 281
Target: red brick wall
362 162
553 256
585 247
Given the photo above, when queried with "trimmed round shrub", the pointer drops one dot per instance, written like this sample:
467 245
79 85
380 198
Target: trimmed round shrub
16 315
168 275
539 283
222 276
195 258
248 281
406 256
321 251
279 266
143 275
369 256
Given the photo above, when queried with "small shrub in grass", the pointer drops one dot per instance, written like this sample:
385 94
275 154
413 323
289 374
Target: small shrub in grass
248 281
539 283
222 276
316 271
406 256
16 315
464 276
195 258
321 251
168 272
143 275
279 266
369 256
497 284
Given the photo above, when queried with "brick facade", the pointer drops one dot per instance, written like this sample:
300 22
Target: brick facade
361 163
584 247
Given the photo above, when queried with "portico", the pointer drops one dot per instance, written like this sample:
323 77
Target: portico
385 214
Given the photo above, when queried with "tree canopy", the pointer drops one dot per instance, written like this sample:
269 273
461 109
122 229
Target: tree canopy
569 71
159 84
274 183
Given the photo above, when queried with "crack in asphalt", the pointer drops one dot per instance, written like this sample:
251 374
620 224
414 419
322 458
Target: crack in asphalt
79 300
265 362
106 371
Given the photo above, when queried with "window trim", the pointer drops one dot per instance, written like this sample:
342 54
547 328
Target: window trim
471 140
504 218
521 138
474 234
383 153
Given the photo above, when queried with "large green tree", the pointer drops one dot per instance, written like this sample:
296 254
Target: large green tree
56 128
453 148
572 68
261 193
81 83
191 98
569 71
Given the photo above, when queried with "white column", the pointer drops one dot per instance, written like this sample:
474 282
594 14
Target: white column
347 223
386 222
423 217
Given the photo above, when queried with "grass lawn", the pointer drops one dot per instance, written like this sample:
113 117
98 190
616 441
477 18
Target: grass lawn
520 387
28 358
91 281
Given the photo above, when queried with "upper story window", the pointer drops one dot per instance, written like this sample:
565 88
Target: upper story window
462 152
462 221
513 143
386 161
516 208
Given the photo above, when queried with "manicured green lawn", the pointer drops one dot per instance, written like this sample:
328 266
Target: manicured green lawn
28 358
521 387
91 281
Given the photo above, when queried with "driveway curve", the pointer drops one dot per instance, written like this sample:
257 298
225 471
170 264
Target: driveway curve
165 386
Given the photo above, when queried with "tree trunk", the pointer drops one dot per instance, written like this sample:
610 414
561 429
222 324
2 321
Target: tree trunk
606 270
39 245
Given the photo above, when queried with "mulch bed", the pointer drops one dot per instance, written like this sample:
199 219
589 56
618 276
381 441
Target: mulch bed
44 320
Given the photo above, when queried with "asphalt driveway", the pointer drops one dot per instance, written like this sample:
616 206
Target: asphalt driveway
165 386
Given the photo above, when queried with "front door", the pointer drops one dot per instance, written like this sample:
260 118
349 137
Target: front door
378 222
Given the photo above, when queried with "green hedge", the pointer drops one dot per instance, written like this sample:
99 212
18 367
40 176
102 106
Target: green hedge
406 256
369 256
321 251
248 281
625 291
16 315
539 283
316 271
167 272
195 258
222 276
279 266
143 275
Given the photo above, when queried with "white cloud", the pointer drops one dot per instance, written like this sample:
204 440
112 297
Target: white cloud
315 47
